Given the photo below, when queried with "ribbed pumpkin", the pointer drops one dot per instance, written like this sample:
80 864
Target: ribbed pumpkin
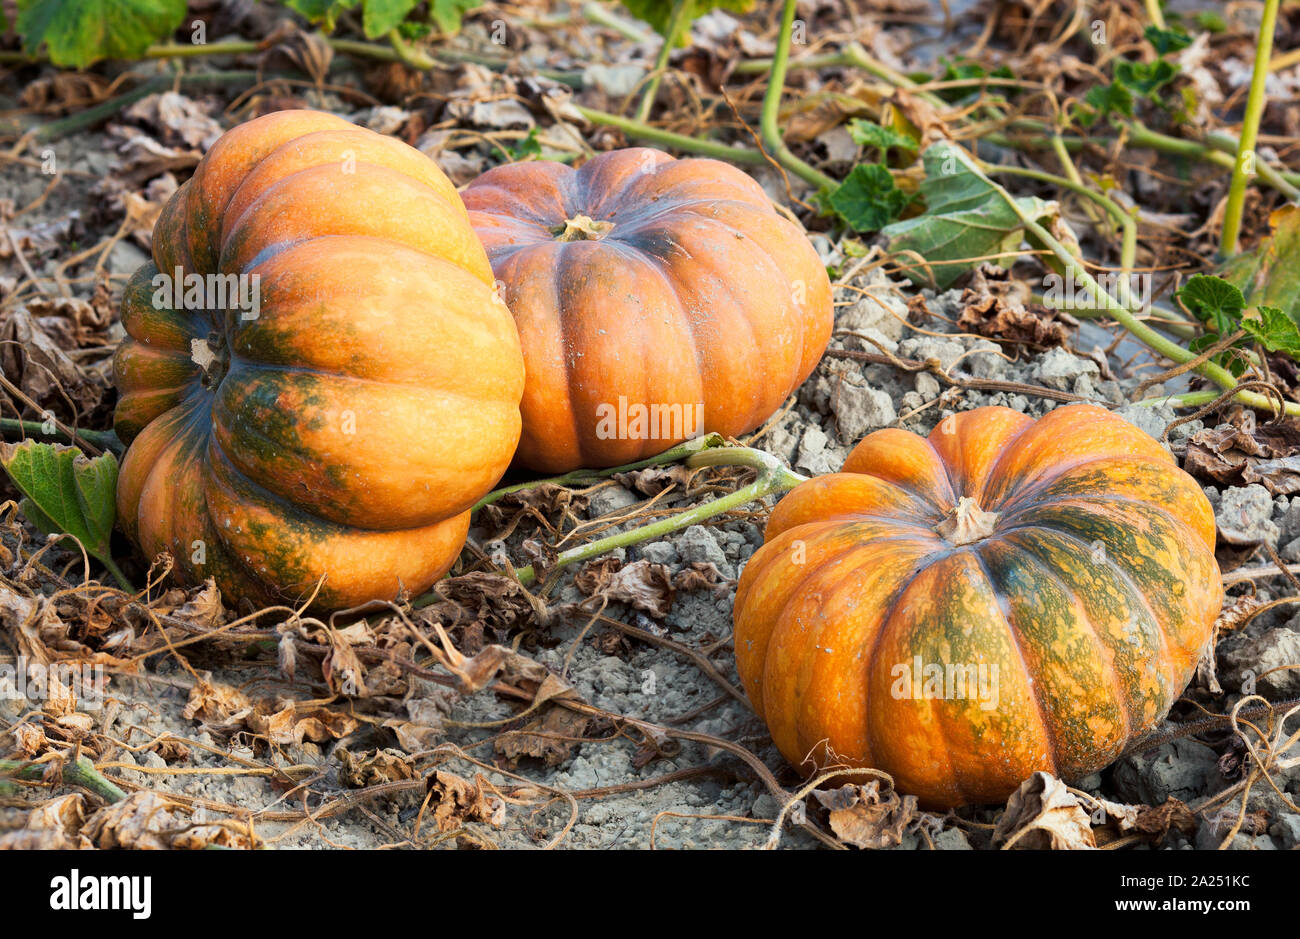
656 299
343 430
1070 557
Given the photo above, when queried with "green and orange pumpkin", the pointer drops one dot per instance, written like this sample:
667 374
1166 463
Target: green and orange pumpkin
1070 558
656 299
340 433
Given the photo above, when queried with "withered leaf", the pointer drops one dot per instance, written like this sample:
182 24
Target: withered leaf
1159 820
642 584
54 825
550 738
373 768
863 816
141 821
1242 451
1042 814
291 722
999 306
455 801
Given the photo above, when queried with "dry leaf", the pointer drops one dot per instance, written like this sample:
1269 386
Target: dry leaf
642 584
54 825
999 306
1043 813
142 821
863 816
374 768
455 801
289 722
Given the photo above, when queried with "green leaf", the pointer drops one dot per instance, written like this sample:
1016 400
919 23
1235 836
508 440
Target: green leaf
659 13
1103 100
1269 274
1167 40
65 492
967 216
528 148
380 17
79 32
324 13
1274 330
884 139
1145 78
447 14
1213 301
1210 21
868 199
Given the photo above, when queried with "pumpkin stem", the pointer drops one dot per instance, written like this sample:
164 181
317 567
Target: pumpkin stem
967 523
582 228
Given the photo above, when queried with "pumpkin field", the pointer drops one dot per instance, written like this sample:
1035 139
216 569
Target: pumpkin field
656 424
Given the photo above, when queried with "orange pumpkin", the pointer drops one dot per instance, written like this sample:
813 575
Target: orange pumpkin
335 418
657 299
960 611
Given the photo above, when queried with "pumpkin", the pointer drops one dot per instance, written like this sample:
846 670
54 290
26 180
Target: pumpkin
657 299
333 417
962 610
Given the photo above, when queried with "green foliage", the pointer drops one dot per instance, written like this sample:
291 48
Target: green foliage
884 139
962 69
1101 101
1222 307
1274 330
79 32
1144 79
1211 21
1167 40
528 148
447 14
967 216
323 13
1213 301
1269 274
868 199
65 492
380 17
657 14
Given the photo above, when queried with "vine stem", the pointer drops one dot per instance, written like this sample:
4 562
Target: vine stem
641 131
100 439
773 478
1156 14
1109 306
1243 165
80 772
768 126
680 452
682 14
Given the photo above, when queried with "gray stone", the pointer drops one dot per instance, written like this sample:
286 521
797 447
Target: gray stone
860 409
1245 515
1286 829
1252 657
814 459
1150 420
1182 769
610 499
698 544
660 552
125 258
1059 369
